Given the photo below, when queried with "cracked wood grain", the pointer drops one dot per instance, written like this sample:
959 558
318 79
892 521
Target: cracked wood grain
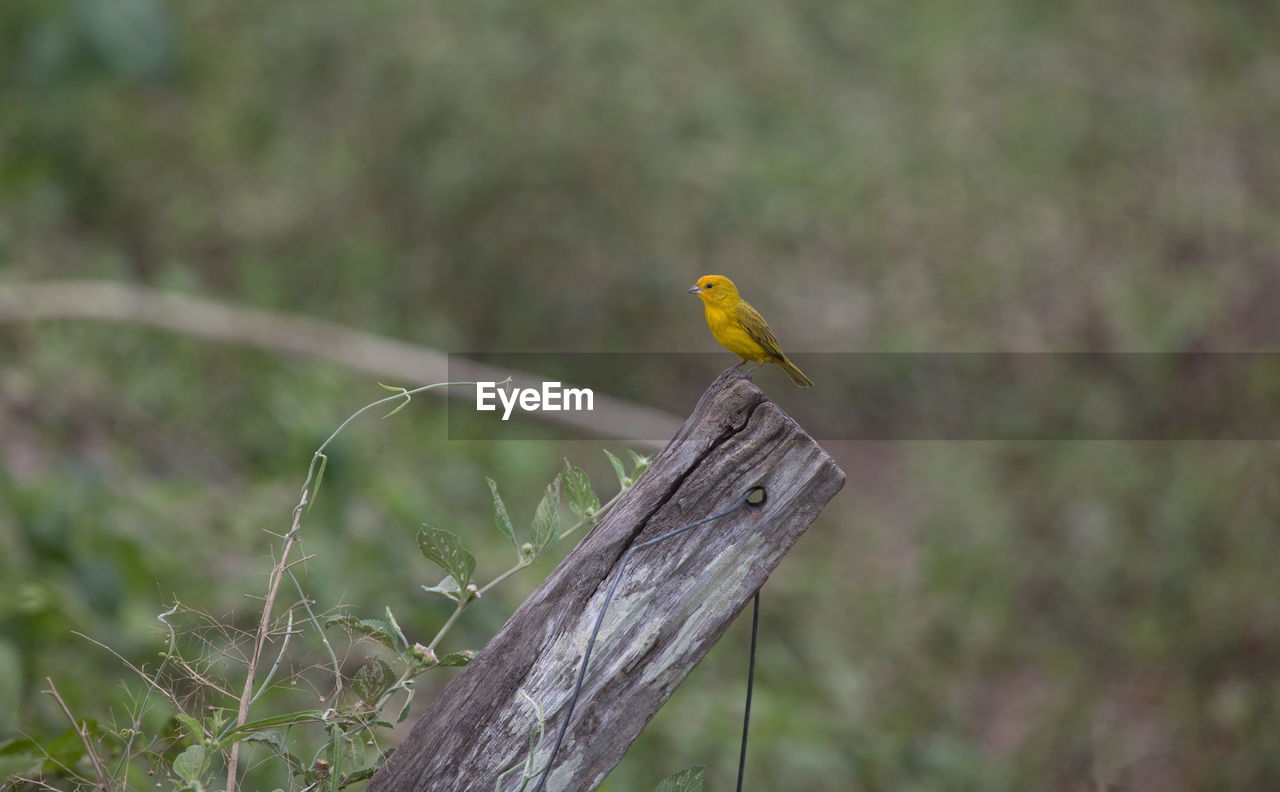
676 600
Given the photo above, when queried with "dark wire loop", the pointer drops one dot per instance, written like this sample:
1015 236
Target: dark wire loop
595 631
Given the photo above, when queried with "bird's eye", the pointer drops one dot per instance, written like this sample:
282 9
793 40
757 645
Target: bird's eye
708 286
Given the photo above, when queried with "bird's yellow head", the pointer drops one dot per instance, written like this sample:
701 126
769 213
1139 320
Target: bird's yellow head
714 289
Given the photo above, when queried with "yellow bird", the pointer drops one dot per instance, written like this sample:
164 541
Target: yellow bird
740 328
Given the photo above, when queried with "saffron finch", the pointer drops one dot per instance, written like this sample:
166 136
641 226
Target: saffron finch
740 328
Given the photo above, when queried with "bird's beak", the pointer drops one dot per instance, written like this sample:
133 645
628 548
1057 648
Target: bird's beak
695 290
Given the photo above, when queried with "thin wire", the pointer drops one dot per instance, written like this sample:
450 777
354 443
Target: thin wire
751 678
595 631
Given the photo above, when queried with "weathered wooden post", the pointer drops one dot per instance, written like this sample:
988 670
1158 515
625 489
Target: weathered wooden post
677 598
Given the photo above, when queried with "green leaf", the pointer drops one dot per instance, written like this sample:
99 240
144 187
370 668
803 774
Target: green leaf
18 745
345 750
376 629
402 391
315 486
445 549
65 749
454 659
618 470
398 408
404 708
446 588
546 519
23 756
686 780
358 775
372 680
641 463
276 742
577 490
20 764
191 763
263 724
500 517
391 619
193 725
271 738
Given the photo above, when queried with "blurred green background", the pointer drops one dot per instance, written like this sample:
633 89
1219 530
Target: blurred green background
998 175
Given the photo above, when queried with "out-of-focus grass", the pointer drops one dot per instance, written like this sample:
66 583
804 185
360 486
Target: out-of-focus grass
501 176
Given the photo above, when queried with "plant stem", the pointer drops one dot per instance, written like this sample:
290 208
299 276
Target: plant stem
260 638
310 488
82 731
462 605
502 577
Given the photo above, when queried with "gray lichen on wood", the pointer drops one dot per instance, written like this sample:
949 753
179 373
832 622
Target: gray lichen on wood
676 600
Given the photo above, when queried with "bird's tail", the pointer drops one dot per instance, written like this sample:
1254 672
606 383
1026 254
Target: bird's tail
797 376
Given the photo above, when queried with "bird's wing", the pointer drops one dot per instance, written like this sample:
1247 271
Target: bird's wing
758 329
